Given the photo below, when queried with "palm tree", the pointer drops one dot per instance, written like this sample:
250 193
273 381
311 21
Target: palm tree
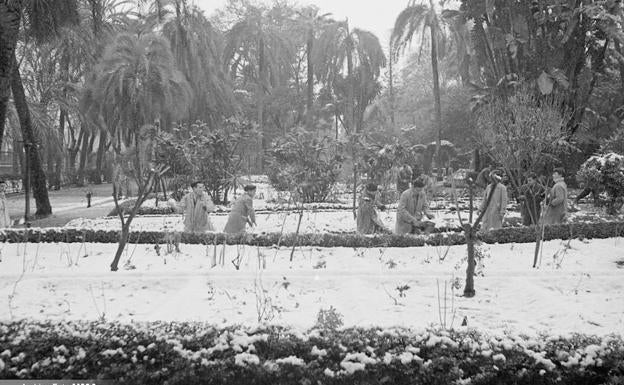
415 18
136 83
312 23
360 53
197 48
43 19
363 56
257 47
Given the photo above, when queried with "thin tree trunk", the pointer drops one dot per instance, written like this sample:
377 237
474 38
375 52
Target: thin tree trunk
436 94
40 190
84 149
310 89
9 29
72 153
260 100
391 88
99 160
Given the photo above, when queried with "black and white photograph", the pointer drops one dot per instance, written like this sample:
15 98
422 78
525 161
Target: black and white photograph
311 192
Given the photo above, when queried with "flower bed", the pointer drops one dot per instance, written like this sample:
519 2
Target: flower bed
191 353
506 235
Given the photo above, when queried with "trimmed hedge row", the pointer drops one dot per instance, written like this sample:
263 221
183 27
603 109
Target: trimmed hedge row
191 353
505 235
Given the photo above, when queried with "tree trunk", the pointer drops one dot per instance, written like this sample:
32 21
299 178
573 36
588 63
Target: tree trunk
260 101
85 150
436 94
82 160
99 160
310 89
469 290
9 29
40 190
123 240
72 152
391 88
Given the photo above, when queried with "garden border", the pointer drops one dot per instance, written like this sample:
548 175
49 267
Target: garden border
505 235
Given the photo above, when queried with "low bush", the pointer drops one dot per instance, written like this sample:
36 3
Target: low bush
193 353
505 235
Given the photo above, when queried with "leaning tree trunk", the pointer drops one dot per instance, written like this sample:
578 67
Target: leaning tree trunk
40 190
9 29
85 150
260 99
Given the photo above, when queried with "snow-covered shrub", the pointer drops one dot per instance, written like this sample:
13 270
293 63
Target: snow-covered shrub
605 172
329 319
196 353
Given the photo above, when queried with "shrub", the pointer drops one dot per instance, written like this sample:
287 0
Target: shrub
605 172
195 353
307 163
504 235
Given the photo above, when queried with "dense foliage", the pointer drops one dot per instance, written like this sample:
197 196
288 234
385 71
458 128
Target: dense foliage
306 163
191 353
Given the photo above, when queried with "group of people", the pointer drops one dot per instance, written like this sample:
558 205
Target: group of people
411 213
413 205
197 205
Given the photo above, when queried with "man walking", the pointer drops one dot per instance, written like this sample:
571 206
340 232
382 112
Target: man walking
242 212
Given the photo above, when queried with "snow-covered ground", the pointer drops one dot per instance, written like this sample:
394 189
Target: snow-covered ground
579 288
313 221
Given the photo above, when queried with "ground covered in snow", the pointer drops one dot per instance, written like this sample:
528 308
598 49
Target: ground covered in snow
578 286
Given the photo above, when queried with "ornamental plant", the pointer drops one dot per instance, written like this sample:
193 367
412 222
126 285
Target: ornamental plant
606 172
306 163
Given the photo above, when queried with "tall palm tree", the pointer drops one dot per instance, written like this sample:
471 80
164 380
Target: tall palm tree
136 83
417 18
312 23
357 51
43 19
258 48
360 52
197 48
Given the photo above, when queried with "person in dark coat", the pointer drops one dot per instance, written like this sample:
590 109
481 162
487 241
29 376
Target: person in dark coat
242 212
531 196
368 221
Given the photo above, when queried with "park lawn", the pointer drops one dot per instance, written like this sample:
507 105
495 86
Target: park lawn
578 286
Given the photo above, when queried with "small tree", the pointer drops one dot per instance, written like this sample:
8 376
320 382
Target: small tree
211 153
522 132
605 172
145 174
307 160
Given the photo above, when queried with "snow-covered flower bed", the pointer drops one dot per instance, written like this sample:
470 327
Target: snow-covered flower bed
577 287
191 353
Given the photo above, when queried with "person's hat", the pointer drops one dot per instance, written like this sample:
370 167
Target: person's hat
371 187
249 187
418 182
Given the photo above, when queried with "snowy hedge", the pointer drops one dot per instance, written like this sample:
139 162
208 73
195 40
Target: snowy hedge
191 353
506 235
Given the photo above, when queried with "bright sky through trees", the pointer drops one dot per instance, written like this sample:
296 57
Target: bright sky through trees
375 16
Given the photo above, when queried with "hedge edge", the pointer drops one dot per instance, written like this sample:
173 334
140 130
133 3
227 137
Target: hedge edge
506 235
